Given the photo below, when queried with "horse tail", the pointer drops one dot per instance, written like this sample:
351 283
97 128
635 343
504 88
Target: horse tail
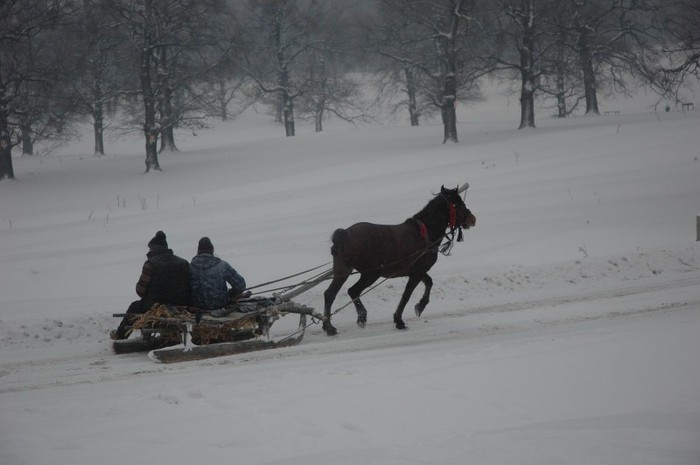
339 238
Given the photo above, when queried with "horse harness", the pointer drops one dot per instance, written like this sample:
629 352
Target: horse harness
446 248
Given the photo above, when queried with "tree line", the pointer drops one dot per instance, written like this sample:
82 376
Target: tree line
156 65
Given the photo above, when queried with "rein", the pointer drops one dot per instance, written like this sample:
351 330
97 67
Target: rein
291 286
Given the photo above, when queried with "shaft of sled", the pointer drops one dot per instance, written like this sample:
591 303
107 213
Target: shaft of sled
305 287
300 310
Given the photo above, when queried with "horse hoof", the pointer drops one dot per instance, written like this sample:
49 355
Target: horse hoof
400 324
361 323
330 330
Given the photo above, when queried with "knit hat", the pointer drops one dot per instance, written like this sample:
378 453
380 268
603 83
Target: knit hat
158 241
205 246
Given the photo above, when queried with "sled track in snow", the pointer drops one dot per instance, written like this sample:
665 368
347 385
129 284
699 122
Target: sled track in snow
578 298
443 328
382 334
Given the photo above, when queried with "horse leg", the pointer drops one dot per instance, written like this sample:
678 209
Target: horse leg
420 306
410 286
329 297
355 292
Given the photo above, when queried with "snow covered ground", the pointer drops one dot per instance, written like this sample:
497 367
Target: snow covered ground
564 330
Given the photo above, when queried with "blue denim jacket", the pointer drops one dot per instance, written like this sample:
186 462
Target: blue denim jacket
208 278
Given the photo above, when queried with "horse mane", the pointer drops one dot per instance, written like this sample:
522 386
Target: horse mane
429 213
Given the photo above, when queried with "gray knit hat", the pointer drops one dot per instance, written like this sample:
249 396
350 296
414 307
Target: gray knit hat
205 246
158 241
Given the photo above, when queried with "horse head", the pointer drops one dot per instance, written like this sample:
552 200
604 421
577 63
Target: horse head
460 215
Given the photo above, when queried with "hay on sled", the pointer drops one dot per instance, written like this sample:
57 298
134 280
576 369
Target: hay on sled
170 322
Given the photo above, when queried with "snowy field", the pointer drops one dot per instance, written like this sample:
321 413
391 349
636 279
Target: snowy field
564 330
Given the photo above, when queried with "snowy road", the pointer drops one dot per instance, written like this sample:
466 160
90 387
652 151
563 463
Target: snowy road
94 363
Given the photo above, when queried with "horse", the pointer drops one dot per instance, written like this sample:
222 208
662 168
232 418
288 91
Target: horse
390 251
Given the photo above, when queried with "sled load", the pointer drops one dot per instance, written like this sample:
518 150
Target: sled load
179 333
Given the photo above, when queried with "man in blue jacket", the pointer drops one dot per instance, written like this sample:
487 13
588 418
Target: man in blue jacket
209 276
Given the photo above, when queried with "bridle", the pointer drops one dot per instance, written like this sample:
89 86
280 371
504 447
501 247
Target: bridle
454 225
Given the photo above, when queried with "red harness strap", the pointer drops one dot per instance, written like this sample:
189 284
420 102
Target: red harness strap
453 216
423 230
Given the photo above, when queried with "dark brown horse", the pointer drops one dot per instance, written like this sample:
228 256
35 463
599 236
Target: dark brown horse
390 251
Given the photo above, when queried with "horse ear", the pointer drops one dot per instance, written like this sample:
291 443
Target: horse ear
442 189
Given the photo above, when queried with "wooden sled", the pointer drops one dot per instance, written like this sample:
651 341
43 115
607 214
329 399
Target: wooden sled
175 334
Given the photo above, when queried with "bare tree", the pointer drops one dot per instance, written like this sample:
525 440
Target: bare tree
525 43
331 89
167 39
278 40
94 66
25 97
518 46
668 66
425 44
560 77
223 86
606 35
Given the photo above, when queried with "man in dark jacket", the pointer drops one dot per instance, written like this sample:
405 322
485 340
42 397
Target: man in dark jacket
164 280
209 276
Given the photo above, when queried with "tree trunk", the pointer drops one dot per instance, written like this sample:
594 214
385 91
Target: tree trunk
283 83
449 122
411 92
283 77
99 140
527 107
561 90
167 140
527 67
98 129
322 91
6 170
167 122
27 143
287 101
561 98
318 117
560 77
279 109
223 107
288 112
589 82
449 97
98 119
151 149
150 129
